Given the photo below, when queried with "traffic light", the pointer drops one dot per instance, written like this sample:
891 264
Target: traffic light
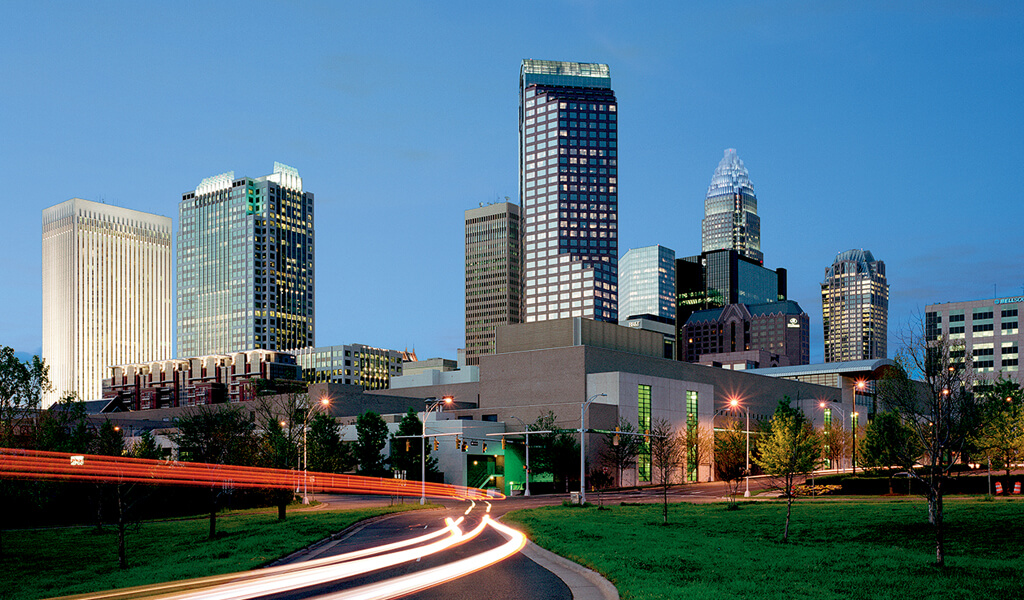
458 444
615 438
437 445
503 443
465 446
407 445
485 447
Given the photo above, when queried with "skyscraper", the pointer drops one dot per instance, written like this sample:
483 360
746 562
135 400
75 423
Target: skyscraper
855 307
245 264
106 293
493 282
647 283
568 170
730 211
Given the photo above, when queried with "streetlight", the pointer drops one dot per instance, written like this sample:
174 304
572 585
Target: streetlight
734 403
423 445
583 456
853 424
526 429
324 402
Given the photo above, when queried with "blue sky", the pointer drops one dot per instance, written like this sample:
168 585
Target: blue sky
895 127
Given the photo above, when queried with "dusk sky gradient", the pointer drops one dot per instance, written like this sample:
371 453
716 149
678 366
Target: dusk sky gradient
893 127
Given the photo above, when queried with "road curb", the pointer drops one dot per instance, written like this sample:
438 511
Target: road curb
584 583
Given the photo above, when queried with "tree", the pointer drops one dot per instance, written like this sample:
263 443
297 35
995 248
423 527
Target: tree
835 440
145 446
1002 433
790 448
557 452
406 451
21 387
64 427
217 436
888 442
731 456
372 437
622 448
667 454
327 453
941 410
699 447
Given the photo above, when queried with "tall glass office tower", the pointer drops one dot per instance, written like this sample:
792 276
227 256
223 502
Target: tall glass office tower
855 307
245 264
730 211
493 282
568 188
647 283
106 293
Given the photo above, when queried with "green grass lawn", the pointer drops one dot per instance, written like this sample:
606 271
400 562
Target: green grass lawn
837 549
43 563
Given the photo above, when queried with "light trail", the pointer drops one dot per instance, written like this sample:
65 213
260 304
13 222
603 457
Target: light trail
415 582
32 464
471 507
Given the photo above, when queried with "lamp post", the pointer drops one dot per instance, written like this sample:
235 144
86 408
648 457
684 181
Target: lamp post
734 403
324 402
583 455
423 445
526 429
860 385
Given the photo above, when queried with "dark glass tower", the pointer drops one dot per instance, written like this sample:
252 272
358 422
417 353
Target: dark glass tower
568 189
730 211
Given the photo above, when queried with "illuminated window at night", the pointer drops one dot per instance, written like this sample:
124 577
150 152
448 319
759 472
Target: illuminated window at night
643 463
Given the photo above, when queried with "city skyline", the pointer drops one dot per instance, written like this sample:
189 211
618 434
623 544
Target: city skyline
871 127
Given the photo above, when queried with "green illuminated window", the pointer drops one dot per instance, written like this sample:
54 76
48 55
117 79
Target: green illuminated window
691 424
643 463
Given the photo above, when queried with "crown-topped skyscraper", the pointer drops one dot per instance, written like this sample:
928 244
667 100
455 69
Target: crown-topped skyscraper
730 211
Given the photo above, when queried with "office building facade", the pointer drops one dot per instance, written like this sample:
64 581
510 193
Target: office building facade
245 270
352 364
647 283
989 331
781 329
730 211
106 293
855 307
493 282
568 168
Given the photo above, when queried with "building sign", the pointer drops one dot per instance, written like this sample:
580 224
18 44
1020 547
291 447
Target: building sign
793 322
1010 300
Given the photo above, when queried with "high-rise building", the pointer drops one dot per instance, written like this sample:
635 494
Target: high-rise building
493 282
647 283
855 307
245 264
106 293
988 331
730 211
568 170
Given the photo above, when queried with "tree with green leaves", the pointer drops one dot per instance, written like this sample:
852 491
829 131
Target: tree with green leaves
790 449
216 435
621 448
941 409
1002 433
22 385
731 456
406 451
372 437
327 452
145 446
889 442
557 452
667 454
65 427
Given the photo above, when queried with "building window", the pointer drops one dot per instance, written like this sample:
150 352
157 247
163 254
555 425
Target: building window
691 426
643 463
